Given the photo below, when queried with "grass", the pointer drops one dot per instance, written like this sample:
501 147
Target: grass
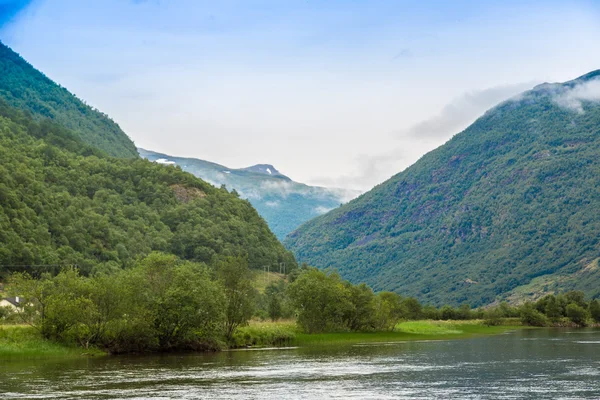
286 333
20 341
262 334
263 279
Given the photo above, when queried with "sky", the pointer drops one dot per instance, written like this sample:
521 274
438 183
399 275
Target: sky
333 93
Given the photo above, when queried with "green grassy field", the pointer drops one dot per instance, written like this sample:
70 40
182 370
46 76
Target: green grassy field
19 341
286 333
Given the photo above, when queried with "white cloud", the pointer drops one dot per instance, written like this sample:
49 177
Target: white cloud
464 110
322 210
574 97
165 161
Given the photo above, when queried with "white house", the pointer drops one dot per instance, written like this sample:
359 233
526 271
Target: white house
11 302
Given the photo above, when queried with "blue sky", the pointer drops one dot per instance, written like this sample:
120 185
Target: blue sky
341 93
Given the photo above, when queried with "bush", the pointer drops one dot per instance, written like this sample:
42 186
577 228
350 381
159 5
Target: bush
595 310
577 314
531 316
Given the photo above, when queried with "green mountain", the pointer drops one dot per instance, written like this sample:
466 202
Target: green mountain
507 208
27 89
63 202
283 203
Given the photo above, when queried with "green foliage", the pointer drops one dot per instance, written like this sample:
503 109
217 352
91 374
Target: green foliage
25 88
63 203
512 198
595 310
388 311
240 295
264 334
275 294
321 300
531 316
577 314
26 342
161 303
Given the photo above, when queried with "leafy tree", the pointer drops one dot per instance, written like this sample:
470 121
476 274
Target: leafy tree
236 280
595 310
274 293
412 308
321 301
360 316
577 314
388 310
531 316
447 312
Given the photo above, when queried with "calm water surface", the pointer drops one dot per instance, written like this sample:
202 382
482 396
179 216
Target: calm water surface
531 364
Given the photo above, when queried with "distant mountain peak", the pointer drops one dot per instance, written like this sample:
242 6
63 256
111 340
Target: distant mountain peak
266 169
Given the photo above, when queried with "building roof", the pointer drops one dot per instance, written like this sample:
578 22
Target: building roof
15 301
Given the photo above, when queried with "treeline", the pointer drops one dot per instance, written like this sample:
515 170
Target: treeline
161 304
164 303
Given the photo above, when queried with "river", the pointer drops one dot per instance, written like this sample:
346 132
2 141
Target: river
525 364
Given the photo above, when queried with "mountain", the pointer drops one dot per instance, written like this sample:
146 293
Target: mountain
506 209
265 169
63 202
27 89
283 203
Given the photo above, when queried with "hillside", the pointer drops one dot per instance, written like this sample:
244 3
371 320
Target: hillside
283 203
506 208
25 88
63 203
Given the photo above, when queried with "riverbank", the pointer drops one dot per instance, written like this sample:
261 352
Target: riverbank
19 341
285 333
22 341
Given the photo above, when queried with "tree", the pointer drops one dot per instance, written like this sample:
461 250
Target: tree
236 280
321 301
388 310
531 316
412 308
576 297
274 295
595 310
448 312
552 308
464 312
577 314
361 315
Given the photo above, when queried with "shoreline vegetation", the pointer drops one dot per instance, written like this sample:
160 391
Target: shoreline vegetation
20 341
164 304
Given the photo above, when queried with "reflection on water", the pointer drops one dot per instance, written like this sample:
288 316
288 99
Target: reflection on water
530 364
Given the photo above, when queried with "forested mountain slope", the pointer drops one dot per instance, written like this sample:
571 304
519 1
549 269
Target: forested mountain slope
25 88
63 202
283 203
508 207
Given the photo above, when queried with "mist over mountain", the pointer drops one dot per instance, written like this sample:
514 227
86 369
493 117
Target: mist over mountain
508 208
283 203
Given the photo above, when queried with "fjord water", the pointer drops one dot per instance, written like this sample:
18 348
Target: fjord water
526 364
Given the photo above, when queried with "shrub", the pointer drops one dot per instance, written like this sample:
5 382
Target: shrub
577 314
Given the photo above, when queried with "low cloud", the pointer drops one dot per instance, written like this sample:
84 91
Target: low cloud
424 136
573 98
272 204
462 111
322 210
